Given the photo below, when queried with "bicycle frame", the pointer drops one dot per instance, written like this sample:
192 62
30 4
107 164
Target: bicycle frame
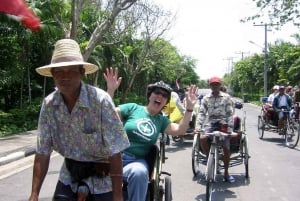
213 160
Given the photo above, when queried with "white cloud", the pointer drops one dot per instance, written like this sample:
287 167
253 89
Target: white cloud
211 32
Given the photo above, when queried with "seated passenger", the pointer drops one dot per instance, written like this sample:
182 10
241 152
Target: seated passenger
282 101
270 114
174 109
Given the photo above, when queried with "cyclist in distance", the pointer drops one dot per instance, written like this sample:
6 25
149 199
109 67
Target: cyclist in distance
216 114
282 101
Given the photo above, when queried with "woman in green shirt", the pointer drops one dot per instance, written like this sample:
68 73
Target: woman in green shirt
143 125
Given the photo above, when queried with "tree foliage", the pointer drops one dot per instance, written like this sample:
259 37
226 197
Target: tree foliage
281 11
121 33
283 68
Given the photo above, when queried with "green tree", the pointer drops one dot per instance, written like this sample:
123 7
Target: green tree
276 11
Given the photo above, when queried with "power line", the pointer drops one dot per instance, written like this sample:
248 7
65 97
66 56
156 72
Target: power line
242 53
230 62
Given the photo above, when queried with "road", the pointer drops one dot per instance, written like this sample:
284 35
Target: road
273 168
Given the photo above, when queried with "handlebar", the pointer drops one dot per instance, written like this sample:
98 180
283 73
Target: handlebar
217 133
285 110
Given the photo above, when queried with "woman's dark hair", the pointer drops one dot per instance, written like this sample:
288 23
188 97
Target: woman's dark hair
161 85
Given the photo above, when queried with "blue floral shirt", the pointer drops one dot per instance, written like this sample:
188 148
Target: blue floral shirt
93 131
216 109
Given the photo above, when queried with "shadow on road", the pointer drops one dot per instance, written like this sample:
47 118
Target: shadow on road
222 190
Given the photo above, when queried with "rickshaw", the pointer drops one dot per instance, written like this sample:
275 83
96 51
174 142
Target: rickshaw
239 154
160 184
266 122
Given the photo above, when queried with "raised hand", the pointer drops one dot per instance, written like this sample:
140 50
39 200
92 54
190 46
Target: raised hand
191 96
112 80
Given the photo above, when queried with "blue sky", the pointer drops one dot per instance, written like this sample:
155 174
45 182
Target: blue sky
211 33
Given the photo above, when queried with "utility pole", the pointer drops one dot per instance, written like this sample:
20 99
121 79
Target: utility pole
242 86
266 56
242 53
230 61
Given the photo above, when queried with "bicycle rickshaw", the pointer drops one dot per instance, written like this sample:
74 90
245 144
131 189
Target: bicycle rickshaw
160 184
238 148
290 130
159 188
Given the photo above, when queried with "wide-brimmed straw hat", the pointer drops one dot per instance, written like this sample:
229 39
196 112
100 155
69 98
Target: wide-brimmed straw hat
66 53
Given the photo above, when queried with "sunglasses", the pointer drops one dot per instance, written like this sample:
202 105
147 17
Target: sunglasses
159 92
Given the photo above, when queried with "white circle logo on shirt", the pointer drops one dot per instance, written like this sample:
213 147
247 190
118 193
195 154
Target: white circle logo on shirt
145 127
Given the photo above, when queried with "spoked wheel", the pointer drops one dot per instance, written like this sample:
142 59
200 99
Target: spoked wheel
292 136
196 155
209 188
246 156
210 177
168 189
260 127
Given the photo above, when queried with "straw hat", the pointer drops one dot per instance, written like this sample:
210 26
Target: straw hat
66 53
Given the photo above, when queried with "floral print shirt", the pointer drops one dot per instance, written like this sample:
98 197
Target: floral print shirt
93 131
216 109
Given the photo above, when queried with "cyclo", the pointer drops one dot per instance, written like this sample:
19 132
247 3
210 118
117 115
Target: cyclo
238 148
267 122
159 186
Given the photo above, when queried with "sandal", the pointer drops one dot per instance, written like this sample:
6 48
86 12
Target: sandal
229 179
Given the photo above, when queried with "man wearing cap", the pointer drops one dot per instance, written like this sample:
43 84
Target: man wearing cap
216 110
79 122
282 101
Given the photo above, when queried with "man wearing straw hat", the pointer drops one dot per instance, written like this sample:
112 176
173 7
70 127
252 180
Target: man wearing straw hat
79 122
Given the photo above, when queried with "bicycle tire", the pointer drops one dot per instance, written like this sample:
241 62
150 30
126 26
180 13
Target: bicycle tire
260 127
209 187
291 136
210 170
168 189
196 155
246 156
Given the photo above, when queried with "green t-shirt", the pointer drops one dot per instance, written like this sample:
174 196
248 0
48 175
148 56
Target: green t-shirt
142 129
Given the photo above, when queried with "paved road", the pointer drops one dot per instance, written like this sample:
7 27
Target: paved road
274 172
273 168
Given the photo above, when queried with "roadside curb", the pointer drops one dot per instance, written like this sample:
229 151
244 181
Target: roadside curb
16 155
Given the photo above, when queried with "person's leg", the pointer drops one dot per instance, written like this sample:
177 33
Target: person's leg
64 191
204 140
226 160
136 175
204 143
280 120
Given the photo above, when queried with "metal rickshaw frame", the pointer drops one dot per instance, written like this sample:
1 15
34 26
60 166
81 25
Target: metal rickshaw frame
239 155
290 131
